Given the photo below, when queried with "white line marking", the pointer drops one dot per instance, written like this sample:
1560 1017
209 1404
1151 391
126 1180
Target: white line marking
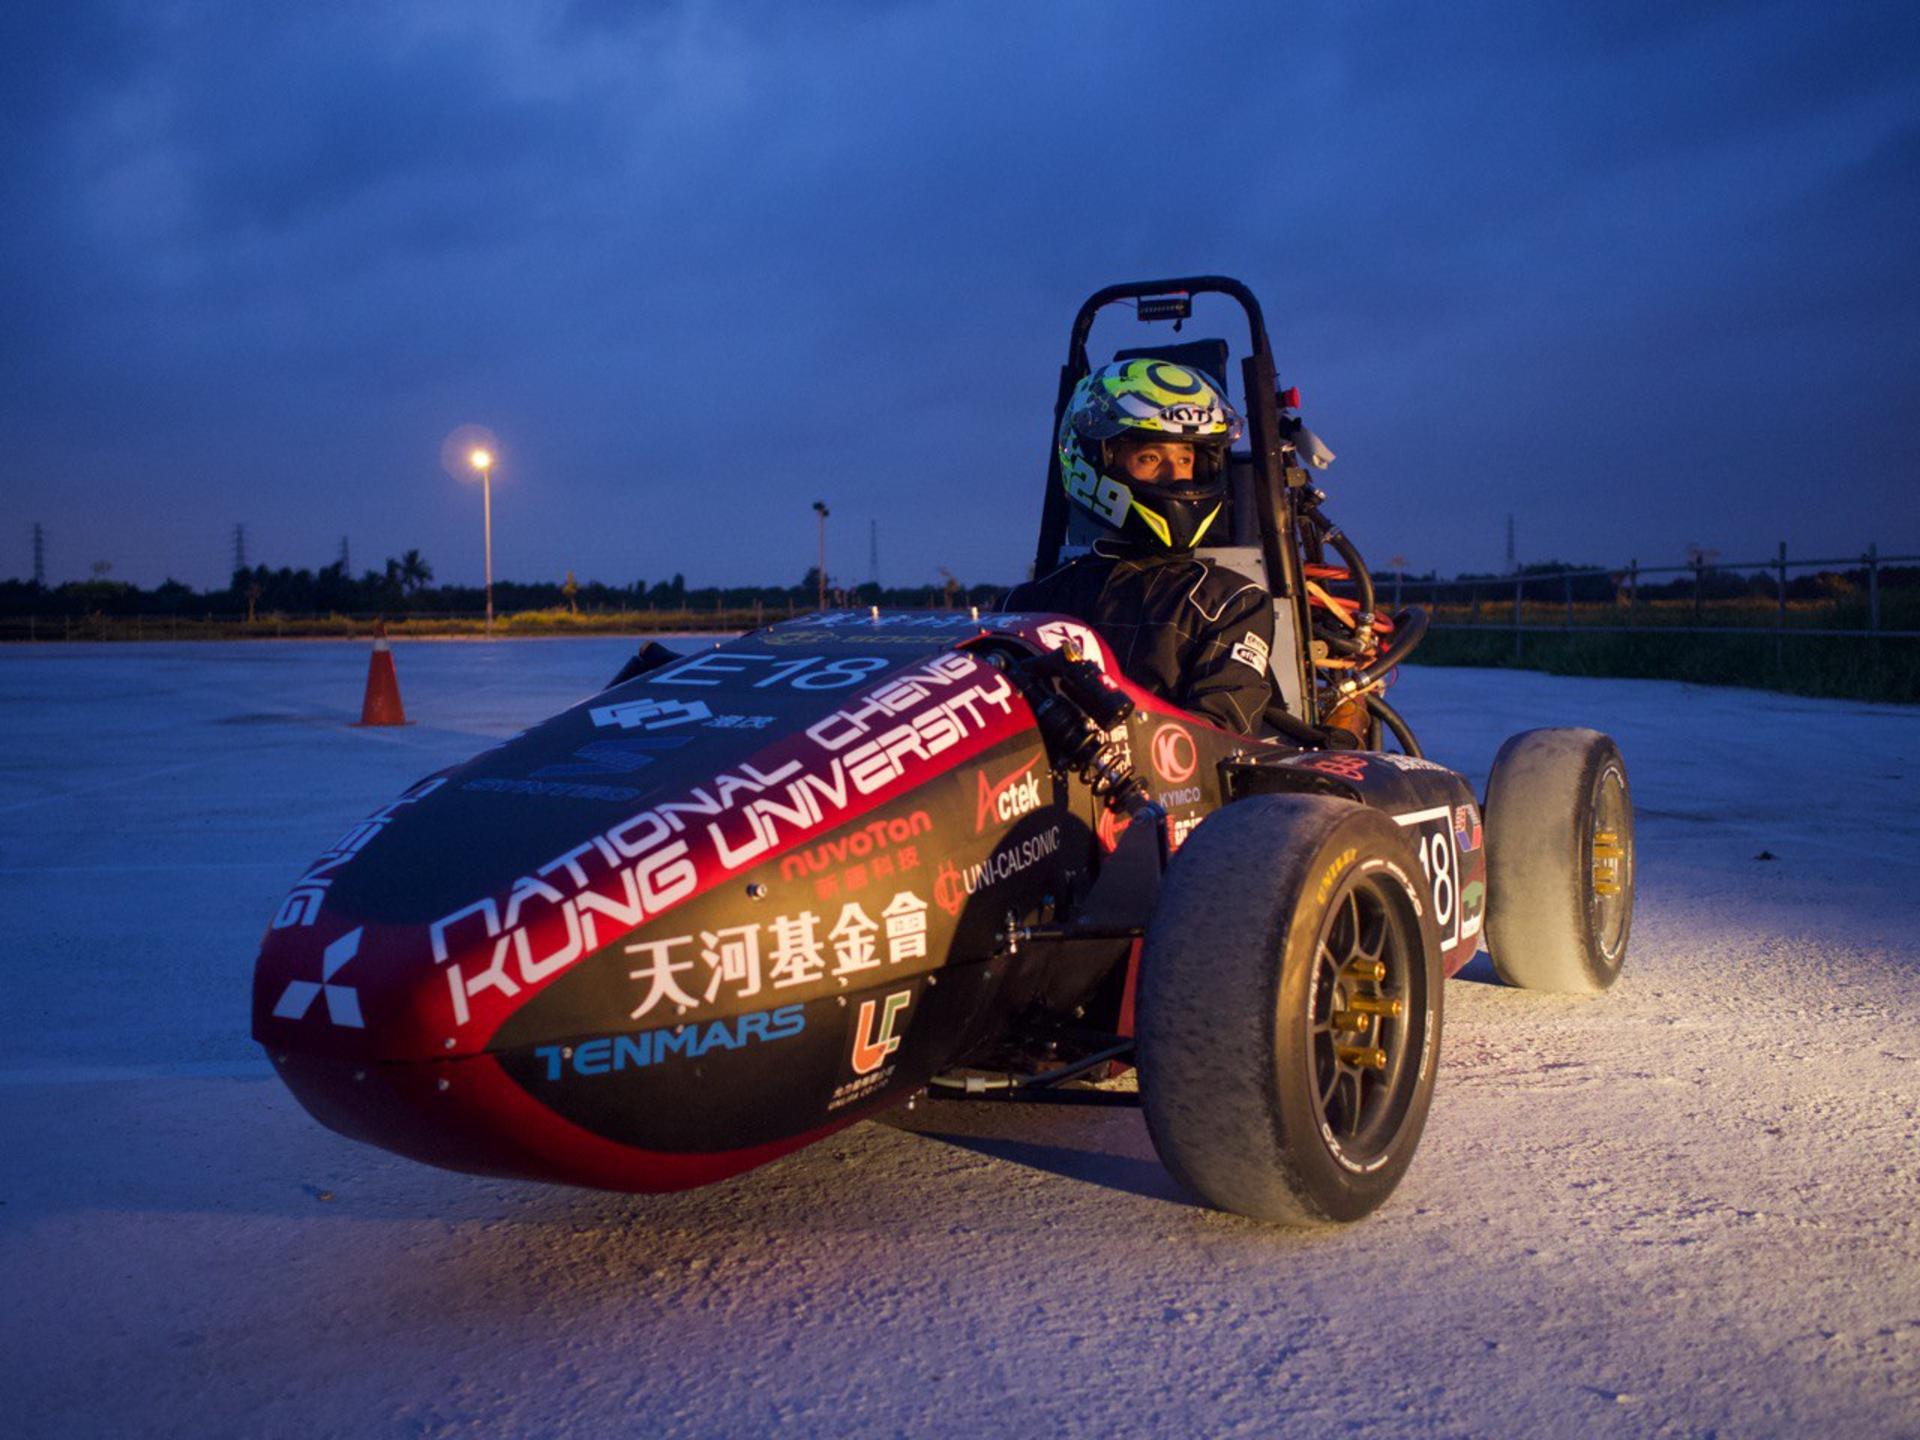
292 867
138 778
121 1074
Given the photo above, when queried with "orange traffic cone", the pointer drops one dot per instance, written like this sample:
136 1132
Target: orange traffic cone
382 705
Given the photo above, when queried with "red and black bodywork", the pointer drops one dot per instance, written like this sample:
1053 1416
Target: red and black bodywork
744 897
757 893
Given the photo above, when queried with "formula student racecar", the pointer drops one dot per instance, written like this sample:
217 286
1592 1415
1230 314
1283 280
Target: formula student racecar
747 896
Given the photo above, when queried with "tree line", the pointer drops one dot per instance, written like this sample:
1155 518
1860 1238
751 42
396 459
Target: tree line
405 586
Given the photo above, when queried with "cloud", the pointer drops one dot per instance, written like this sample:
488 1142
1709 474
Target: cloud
701 260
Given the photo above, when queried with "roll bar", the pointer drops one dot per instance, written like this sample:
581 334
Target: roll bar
1273 497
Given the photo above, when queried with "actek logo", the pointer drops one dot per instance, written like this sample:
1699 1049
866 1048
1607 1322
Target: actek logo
872 1046
1009 798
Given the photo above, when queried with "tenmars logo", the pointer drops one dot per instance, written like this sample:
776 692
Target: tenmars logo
1010 798
871 1048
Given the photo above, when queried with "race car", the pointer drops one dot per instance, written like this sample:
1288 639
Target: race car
747 896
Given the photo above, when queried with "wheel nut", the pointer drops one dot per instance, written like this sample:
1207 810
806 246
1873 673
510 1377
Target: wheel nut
1373 970
1388 1005
1349 1020
1364 1057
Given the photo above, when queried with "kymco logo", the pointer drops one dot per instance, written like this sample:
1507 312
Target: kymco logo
1174 756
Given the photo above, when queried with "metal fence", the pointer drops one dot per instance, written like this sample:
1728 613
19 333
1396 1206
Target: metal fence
1596 601
1549 602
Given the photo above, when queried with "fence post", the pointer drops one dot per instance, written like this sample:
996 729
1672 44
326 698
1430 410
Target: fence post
1517 582
1633 589
1699 565
1569 580
1873 586
1780 611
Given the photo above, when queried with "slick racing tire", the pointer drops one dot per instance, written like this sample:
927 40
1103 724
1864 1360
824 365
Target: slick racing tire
1289 1010
1560 861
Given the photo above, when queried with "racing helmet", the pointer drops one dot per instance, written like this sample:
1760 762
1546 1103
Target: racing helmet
1145 399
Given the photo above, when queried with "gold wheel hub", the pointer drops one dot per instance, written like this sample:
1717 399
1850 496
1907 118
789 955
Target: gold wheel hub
1608 853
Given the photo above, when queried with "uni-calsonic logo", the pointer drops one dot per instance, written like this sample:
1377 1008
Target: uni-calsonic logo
872 1043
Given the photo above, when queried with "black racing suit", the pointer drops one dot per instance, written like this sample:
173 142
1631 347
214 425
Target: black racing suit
1180 627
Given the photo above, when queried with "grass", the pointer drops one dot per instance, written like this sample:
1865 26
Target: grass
1673 639
1857 668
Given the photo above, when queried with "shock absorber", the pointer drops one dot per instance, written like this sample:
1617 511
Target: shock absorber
1077 712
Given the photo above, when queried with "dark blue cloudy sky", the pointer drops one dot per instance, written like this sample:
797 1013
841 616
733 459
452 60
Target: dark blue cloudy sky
1639 273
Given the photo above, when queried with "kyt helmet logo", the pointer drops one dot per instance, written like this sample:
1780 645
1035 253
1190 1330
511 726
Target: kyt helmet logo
871 1048
343 1001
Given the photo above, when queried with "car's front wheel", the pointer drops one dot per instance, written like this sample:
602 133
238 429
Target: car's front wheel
1289 1010
1560 861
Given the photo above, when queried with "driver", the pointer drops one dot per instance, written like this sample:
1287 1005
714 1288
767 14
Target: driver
1143 457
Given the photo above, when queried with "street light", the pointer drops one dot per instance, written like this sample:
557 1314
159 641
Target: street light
482 460
820 509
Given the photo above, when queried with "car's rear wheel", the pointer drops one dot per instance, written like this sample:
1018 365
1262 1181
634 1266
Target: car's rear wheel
1289 1010
1560 861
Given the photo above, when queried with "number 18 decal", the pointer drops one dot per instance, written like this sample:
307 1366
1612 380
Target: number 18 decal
1436 858
1440 862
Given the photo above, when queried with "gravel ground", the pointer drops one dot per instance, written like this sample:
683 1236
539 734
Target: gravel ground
1685 1208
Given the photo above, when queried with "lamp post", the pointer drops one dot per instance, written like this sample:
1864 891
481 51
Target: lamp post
482 460
820 509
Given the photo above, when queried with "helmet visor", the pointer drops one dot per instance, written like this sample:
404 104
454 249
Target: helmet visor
1162 462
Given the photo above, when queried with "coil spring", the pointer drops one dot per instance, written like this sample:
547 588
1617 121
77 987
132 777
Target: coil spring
1108 772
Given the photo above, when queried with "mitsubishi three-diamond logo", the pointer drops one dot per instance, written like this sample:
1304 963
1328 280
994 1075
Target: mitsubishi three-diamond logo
343 1001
